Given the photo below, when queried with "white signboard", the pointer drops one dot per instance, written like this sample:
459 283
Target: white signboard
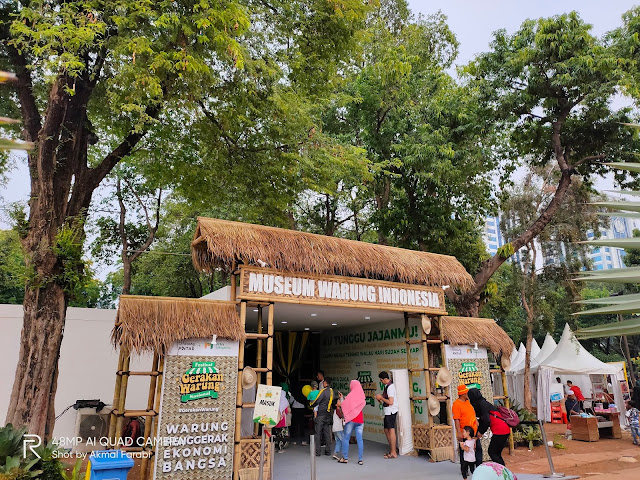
212 347
267 406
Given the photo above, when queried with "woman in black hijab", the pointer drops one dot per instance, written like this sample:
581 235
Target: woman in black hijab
488 416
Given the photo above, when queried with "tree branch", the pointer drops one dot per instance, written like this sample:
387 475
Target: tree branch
24 87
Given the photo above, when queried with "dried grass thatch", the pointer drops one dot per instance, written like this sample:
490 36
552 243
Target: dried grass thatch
152 324
218 243
485 331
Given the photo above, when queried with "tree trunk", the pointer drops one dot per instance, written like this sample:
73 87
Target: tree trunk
527 365
31 403
469 302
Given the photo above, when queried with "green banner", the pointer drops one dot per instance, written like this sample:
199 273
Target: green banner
203 364
198 395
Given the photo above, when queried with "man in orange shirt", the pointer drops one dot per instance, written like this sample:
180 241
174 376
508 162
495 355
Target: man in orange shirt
464 415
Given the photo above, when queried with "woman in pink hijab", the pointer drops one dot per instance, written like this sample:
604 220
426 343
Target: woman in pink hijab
352 406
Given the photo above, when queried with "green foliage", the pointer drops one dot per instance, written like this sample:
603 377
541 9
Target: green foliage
557 444
10 442
632 255
12 268
506 250
12 465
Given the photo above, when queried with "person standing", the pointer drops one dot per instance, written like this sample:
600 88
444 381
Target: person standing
338 427
468 447
465 416
387 399
489 417
352 406
299 422
324 402
577 392
633 417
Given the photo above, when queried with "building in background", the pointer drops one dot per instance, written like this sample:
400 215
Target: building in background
491 235
603 258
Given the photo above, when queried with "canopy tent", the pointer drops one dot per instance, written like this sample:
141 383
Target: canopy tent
571 358
535 350
518 357
515 376
547 349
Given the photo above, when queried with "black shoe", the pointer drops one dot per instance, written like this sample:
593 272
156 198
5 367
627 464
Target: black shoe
328 454
318 454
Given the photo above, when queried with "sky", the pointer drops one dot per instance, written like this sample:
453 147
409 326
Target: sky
473 22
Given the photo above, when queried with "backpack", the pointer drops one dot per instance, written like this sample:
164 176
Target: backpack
508 416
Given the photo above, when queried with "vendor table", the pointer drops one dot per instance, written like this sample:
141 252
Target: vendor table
590 429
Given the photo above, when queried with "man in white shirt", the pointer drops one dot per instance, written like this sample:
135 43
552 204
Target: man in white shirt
387 399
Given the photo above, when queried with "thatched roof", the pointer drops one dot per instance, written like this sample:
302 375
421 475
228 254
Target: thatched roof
485 331
150 324
218 243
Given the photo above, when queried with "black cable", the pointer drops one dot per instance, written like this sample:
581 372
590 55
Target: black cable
65 411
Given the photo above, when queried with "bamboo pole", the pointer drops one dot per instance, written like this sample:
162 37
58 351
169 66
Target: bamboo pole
123 395
409 369
507 404
238 429
147 425
425 359
270 345
158 397
256 427
234 287
444 364
116 399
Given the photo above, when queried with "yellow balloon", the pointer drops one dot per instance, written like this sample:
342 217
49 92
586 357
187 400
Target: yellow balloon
305 390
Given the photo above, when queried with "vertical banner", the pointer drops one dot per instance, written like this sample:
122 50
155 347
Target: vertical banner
196 424
470 366
362 353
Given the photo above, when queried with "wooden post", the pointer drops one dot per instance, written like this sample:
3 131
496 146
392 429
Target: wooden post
147 425
427 375
116 398
156 419
122 400
270 345
234 281
408 352
256 427
507 404
444 364
238 430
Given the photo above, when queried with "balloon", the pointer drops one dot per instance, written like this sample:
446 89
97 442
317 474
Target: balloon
306 390
492 471
313 395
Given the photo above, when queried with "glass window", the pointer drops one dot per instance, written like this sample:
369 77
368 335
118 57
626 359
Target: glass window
596 250
597 259
491 230
599 267
608 257
492 238
589 234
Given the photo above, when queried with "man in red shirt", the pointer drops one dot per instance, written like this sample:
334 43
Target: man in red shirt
576 391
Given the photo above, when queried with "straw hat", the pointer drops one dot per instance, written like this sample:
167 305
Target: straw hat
249 377
434 405
426 324
505 361
443 377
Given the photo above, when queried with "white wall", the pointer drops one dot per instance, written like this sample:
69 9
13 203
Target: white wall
87 367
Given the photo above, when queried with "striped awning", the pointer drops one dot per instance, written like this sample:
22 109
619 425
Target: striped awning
195 371
468 367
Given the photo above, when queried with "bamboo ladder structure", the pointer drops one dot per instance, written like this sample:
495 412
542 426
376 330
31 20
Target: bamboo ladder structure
425 341
120 412
268 370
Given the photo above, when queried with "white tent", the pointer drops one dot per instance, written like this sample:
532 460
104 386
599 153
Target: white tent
571 358
547 349
518 357
515 376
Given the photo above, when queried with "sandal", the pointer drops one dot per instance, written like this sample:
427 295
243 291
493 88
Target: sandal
343 460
